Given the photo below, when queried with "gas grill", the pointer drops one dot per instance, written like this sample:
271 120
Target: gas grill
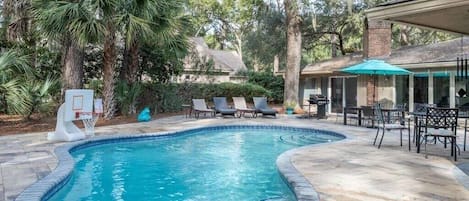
321 101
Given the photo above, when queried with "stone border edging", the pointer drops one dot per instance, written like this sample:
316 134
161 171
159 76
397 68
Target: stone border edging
47 186
303 189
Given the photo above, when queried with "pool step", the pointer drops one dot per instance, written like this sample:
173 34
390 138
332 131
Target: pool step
300 139
275 199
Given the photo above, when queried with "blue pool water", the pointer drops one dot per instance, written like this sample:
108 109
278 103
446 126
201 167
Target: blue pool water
231 164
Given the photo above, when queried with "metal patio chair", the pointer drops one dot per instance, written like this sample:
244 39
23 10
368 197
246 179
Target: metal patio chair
442 123
384 126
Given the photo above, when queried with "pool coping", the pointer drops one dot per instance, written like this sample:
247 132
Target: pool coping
303 189
47 186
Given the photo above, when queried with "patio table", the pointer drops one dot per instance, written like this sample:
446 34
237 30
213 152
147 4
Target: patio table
388 112
187 110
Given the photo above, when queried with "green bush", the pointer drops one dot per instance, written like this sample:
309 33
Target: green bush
127 96
275 84
170 97
41 95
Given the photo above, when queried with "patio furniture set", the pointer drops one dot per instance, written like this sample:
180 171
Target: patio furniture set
240 108
431 124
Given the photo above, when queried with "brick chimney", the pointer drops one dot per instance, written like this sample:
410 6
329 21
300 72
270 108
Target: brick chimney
376 43
376 39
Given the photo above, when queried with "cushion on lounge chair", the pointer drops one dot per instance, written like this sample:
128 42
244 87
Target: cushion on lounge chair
260 103
240 103
268 111
200 105
226 111
221 106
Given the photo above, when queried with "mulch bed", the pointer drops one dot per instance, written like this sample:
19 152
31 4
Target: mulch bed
16 124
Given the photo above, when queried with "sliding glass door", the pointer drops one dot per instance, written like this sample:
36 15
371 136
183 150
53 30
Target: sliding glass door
337 95
343 93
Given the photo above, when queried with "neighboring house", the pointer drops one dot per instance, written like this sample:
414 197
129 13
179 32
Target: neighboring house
205 65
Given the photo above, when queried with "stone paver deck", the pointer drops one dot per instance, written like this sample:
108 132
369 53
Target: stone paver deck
351 169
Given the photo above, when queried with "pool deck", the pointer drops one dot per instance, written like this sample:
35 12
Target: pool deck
351 169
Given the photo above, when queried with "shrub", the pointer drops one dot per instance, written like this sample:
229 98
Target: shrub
170 97
275 84
127 96
41 95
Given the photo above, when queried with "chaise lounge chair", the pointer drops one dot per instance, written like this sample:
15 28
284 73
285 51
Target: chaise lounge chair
260 103
201 107
241 107
221 106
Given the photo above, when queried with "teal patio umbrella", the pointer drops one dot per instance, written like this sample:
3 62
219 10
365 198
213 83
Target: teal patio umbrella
375 67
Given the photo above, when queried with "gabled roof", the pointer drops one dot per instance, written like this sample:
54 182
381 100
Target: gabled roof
224 60
446 51
407 57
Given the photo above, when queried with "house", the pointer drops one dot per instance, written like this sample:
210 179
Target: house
433 78
205 65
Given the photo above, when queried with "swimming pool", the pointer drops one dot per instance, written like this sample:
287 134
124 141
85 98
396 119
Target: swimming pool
216 163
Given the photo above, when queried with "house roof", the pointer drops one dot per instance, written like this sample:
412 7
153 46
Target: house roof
409 57
224 60
331 65
446 51
446 15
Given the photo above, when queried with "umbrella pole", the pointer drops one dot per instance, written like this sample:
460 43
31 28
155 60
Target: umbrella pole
374 89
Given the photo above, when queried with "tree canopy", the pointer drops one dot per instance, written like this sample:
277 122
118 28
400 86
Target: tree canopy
94 43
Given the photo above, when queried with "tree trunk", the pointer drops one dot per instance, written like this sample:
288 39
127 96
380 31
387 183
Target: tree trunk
239 46
333 45
276 64
124 72
72 68
130 65
404 33
109 71
133 67
292 73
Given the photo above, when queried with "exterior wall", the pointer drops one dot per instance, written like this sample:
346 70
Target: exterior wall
202 78
370 89
385 91
309 85
377 39
362 82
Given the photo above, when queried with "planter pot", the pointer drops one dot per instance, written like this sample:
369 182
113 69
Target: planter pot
289 111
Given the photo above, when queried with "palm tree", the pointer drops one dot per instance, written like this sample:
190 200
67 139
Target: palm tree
72 24
148 21
17 14
107 10
13 98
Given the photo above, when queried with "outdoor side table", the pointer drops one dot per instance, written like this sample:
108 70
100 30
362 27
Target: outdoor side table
187 110
242 112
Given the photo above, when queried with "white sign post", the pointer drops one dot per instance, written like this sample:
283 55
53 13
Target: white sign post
78 106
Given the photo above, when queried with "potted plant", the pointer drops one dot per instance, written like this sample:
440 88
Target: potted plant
290 107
